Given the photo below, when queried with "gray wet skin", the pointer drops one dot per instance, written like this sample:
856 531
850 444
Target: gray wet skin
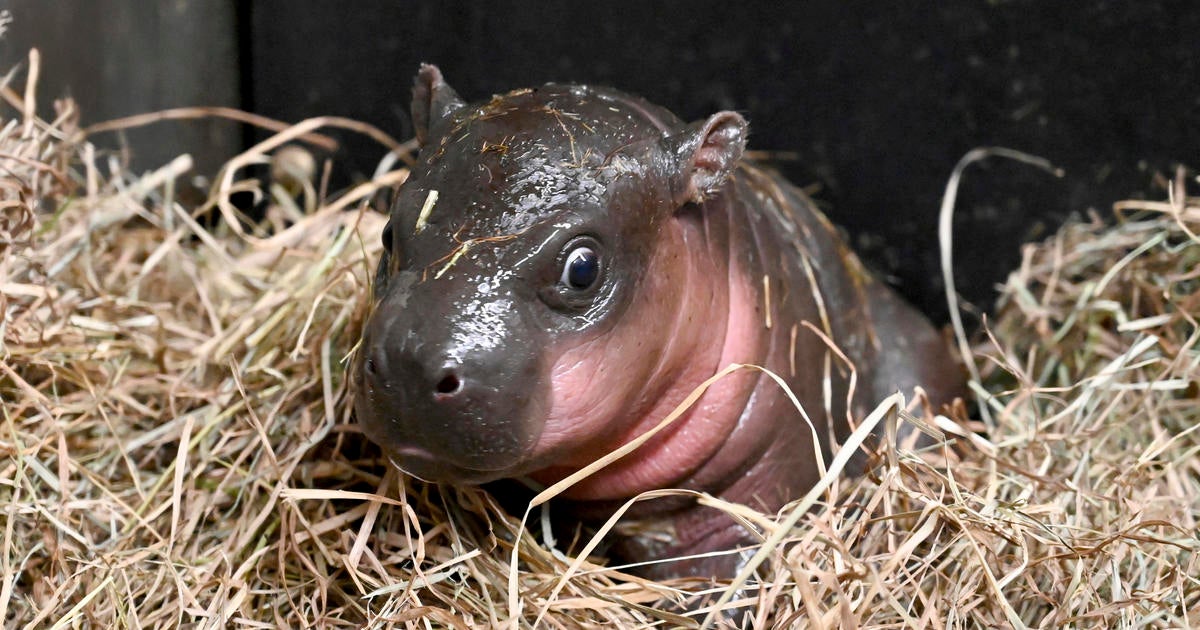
583 260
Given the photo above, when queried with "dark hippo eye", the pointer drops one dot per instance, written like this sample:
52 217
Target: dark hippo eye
581 269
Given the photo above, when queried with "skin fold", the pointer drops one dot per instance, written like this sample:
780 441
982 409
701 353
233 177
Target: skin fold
567 263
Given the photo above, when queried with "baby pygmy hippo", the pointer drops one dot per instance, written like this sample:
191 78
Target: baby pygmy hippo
567 263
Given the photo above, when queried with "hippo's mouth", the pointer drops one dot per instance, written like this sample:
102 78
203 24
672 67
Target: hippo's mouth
424 465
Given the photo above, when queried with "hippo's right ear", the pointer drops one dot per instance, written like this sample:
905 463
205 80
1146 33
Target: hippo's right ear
704 155
433 102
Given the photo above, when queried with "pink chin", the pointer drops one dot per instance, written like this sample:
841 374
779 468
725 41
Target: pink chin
597 386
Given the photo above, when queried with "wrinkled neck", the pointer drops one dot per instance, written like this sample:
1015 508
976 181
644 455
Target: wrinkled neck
711 321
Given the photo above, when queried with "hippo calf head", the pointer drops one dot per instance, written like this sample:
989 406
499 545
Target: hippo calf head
534 287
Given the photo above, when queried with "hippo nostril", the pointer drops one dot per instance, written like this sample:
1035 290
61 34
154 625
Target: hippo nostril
449 385
369 366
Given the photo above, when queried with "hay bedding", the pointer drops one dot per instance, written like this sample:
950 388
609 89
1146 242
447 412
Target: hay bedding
177 449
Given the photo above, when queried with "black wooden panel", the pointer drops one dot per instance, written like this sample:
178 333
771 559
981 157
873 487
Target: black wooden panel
120 57
878 99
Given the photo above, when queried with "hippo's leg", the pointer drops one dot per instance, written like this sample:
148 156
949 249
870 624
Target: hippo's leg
731 546
722 539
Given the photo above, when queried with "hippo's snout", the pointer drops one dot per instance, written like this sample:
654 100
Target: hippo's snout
409 380
446 400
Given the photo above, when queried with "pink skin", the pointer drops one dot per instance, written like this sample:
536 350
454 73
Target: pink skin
715 323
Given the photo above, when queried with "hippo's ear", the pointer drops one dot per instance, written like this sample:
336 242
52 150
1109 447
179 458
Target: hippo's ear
433 101
705 154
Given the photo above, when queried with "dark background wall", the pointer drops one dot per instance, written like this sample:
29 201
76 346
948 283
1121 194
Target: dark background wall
122 57
877 101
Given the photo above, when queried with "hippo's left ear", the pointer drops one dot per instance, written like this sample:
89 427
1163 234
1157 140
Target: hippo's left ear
434 102
705 154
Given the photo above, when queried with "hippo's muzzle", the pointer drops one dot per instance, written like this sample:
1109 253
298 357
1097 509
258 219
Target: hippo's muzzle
449 398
